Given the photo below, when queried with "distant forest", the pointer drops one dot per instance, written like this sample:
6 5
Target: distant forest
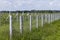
33 11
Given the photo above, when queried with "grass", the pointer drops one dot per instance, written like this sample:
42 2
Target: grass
48 32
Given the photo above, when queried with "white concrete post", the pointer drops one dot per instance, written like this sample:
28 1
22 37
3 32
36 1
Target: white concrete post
55 16
42 20
51 17
59 16
45 18
30 22
36 21
10 27
21 24
48 18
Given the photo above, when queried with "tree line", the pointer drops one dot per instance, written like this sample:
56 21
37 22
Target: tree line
32 11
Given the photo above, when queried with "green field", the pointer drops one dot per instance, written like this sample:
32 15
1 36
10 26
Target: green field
47 32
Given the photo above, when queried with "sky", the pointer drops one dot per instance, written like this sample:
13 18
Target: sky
13 5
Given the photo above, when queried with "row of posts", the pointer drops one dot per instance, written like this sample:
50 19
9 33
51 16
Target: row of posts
45 18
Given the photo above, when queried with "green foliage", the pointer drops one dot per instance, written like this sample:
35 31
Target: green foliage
48 32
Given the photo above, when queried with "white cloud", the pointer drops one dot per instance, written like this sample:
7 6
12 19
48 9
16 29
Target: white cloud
51 3
28 4
4 3
54 3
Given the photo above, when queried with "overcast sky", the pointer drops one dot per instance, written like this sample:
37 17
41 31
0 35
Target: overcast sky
29 5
